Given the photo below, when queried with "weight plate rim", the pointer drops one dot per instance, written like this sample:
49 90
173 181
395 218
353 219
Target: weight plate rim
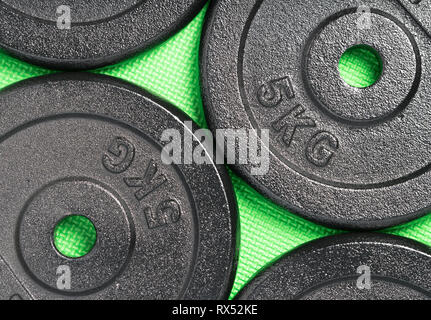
230 265
106 59
295 255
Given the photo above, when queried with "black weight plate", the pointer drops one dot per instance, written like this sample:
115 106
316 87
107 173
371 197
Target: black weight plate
100 33
347 267
341 156
81 144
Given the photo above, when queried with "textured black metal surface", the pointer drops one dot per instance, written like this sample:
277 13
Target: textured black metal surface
101 32
331 269
90 145
421 11
341 156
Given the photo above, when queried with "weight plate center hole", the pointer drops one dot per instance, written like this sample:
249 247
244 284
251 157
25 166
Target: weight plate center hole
74 236
360 66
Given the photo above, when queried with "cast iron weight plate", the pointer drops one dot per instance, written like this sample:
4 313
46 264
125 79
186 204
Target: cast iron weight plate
81 144
347 267
101 31
340 156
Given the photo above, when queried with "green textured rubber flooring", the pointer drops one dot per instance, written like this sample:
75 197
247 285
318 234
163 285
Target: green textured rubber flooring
171 71
75 236
360 66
